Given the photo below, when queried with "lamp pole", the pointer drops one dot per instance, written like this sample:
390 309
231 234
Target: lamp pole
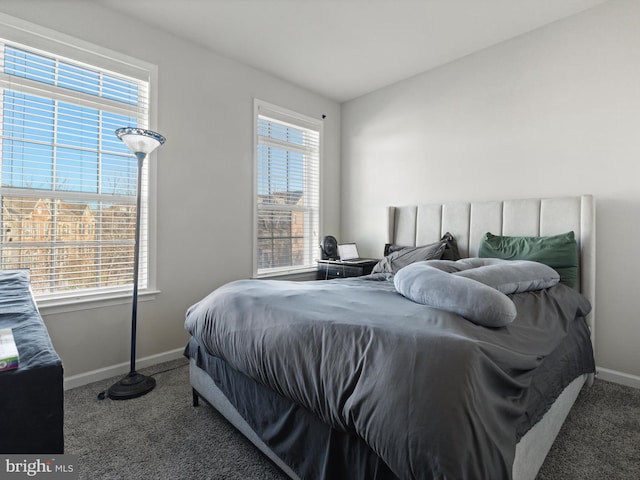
136 264
141 142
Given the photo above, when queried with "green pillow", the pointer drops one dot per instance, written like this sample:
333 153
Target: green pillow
560 252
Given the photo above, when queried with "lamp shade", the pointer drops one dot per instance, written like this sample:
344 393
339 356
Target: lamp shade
140 140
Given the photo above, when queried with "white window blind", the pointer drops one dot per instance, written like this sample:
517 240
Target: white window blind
68 185
287 190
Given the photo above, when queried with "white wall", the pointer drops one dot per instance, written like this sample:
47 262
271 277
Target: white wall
205 170
553 112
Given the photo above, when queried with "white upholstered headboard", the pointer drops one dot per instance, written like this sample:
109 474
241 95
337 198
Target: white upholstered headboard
469 221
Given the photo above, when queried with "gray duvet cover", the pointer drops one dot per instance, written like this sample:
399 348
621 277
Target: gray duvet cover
434 395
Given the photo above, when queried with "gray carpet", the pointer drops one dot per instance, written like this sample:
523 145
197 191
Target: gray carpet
161 436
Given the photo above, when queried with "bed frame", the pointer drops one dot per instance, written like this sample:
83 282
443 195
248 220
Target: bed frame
468 221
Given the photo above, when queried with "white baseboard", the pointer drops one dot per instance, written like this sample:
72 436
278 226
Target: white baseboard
618 377
119 369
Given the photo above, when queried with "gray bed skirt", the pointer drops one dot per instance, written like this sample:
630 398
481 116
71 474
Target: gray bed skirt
531 450
235 396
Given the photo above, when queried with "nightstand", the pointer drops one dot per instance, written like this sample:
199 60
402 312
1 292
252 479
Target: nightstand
329 269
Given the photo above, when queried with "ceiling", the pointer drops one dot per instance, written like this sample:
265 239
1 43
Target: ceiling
342 49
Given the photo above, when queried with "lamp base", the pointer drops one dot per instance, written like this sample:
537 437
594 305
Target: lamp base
132 386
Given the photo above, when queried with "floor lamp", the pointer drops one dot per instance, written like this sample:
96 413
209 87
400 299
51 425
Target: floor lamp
141 142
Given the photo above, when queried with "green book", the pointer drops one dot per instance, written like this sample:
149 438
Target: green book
9 358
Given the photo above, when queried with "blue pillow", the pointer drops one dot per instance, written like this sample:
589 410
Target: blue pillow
466 297
510 276
474 288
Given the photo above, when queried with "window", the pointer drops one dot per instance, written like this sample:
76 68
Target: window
287 165
67 184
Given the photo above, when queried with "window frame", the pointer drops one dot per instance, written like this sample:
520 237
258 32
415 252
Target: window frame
261 107
51 41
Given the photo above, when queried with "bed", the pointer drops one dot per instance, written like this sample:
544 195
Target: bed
326 421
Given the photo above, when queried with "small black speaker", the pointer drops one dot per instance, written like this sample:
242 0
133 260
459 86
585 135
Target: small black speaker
329 248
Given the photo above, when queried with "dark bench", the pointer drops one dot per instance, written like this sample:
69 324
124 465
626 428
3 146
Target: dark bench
31 396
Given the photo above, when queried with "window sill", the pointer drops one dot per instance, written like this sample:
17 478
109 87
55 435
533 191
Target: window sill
78 303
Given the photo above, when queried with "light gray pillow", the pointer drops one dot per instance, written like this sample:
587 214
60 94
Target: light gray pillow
398 259
510 276
453 293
